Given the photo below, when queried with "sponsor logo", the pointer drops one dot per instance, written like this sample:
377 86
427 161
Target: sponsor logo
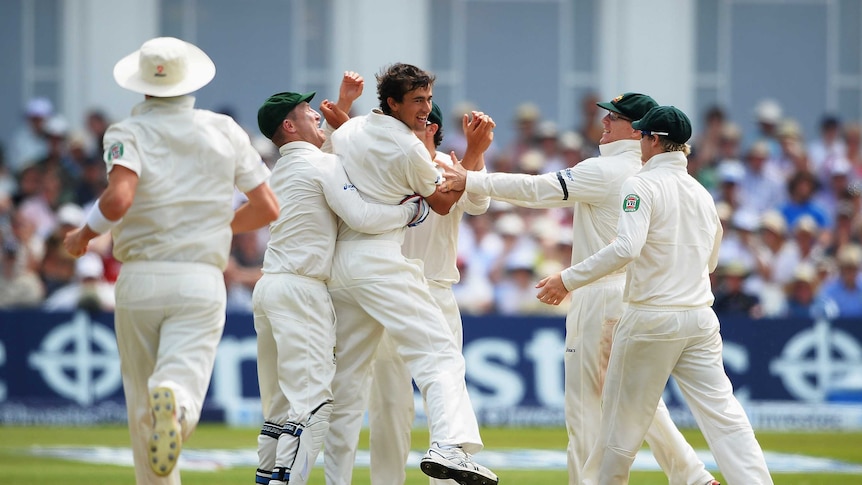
79 360
631 203
160 71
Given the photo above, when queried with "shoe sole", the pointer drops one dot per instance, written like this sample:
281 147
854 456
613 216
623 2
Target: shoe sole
165 444
463 477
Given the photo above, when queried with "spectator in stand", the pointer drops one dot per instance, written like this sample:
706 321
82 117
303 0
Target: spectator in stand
802 248
527 117
792 157
801 291
474 293
29 144
761 188
57 159
549 145
853 142
773 230
828 148
731 297
572 148
88 291
20 286
705 147
517 245
591 128
801 189
41 207
243 270
768 114
97 124
835 189
845 288
94 180
730 175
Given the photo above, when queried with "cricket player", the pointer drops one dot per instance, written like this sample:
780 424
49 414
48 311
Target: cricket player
435 243
293 314
172 170
374 286
591 189
667 238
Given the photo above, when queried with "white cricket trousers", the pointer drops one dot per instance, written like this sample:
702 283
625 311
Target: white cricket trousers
169 318
295 325
650 345
374 287
391 407
593 314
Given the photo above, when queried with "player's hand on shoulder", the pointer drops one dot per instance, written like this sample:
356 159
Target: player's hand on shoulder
422 209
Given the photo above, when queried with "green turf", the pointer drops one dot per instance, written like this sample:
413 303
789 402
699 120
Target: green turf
18 467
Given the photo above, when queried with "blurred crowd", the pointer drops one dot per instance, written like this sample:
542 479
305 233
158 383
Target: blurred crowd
789 202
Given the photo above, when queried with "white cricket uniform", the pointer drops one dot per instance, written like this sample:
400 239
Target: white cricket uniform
174 242
293 314
391 408
374 286
668 234
591 188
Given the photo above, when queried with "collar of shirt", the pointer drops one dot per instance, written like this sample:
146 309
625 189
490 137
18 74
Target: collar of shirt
296 146
671 160
380 118
176 102
619 146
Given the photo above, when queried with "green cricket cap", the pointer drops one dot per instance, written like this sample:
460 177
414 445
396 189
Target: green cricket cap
631 105
666 119
276 108
436 116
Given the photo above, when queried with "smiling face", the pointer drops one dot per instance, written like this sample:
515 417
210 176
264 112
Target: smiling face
414 108
304 124
616 127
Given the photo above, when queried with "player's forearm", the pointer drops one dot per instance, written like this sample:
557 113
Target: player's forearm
534 191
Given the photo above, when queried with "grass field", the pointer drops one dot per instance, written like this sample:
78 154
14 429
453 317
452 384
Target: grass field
18 466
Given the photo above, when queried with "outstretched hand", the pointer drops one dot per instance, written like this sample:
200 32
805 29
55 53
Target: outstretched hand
454 175
552 292
334 115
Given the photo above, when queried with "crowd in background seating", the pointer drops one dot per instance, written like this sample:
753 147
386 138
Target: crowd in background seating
789 202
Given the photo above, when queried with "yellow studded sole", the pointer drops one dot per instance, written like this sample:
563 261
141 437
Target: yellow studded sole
166 442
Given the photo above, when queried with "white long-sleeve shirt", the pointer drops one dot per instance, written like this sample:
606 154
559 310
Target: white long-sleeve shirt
435 241
591 188
312 189
386 161
668 234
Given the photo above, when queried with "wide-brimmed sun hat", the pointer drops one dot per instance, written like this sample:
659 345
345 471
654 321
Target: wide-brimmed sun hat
165 67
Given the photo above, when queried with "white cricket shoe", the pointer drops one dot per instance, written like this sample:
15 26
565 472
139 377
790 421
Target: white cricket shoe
455 464
166 442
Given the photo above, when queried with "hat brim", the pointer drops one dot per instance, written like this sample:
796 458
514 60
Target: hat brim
610 107
200 71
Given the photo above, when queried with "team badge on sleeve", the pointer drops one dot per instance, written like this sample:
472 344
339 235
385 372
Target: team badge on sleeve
115 152
631 203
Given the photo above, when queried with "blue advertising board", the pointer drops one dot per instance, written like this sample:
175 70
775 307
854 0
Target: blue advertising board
63 368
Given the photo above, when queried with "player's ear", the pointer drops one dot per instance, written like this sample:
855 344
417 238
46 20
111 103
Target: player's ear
393 105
